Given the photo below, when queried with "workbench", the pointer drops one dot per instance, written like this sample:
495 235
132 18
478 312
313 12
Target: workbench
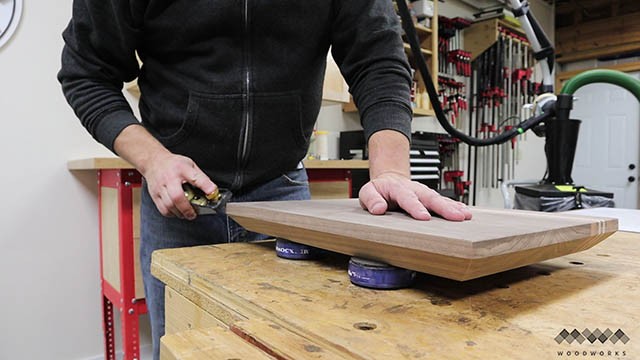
241 301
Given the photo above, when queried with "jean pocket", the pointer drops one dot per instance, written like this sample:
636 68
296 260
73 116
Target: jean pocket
296 177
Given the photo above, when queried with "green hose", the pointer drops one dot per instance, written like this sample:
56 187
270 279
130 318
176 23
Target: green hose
602 76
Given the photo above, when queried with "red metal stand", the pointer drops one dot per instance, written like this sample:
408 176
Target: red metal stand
124 181
107 326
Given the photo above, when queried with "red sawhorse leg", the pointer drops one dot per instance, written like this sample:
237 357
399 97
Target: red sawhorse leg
118 192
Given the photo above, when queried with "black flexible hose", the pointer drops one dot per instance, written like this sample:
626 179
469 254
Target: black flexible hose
412 37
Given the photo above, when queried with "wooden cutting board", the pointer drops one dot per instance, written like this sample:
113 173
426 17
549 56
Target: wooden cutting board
493 241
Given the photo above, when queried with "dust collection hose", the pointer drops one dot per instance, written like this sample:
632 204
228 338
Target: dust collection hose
571 86
602 76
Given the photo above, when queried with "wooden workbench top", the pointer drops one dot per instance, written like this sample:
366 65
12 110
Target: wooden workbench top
511 315
99 163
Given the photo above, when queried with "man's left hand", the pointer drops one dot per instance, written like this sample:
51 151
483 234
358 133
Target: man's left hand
391 190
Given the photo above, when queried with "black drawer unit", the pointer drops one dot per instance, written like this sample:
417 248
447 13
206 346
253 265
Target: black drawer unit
425 159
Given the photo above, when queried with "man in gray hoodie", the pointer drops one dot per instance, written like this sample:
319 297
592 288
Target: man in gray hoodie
230 92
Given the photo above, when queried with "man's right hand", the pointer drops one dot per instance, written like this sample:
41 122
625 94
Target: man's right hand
164 180
163 171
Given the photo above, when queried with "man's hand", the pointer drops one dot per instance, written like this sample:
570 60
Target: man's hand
165 177
391 186
391 190
163 171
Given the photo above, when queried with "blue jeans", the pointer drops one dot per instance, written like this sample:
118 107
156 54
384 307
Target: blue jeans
159 232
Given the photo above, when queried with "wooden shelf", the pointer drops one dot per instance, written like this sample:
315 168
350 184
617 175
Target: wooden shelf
424 51
351 107
421 29
98 163
423 112
424 37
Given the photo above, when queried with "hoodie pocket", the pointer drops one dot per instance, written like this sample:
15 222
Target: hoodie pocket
279 138
210 132
171 133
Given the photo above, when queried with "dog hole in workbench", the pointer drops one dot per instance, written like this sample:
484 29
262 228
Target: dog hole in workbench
365 326
576 263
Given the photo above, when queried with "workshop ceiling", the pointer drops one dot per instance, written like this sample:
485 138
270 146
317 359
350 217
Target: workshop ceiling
575 12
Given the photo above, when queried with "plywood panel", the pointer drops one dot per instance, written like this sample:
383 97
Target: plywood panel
110 240
139 284
213 343
493 241
182 314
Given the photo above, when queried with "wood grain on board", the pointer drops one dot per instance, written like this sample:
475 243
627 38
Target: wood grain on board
494 240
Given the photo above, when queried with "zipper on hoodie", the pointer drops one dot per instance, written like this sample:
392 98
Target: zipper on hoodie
246 113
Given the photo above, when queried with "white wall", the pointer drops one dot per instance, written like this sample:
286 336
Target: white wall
49 268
